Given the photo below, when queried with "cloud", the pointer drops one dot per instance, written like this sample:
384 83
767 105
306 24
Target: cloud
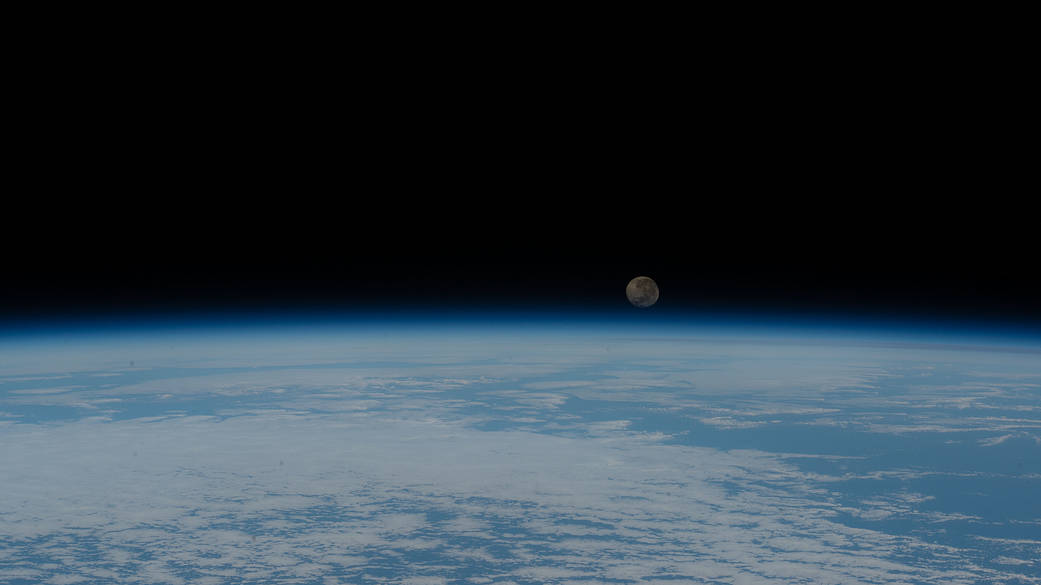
994 441
355 493
727 422
360 473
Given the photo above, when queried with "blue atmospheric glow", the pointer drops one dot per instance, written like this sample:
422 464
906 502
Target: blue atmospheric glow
519 448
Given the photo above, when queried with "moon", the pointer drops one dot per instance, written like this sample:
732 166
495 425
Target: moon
642 292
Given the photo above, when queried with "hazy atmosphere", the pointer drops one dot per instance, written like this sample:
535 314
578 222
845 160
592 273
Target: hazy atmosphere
519 453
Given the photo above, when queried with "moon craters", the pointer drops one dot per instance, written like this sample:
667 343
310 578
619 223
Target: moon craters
642 292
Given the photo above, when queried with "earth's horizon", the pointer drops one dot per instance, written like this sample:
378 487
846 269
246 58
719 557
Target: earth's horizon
519 451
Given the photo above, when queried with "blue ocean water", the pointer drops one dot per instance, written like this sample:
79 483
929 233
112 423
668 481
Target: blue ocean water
520 450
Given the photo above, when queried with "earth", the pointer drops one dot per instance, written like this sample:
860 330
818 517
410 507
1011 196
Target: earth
518 453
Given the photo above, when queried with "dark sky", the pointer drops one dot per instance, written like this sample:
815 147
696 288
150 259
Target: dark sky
769 191
492 247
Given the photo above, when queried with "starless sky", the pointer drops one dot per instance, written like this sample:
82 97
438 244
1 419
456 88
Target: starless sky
769 192
505 249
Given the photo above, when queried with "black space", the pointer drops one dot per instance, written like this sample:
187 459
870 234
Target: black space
828 188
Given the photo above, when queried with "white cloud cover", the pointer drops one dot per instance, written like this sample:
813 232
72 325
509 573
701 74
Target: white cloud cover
239 496
361 473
